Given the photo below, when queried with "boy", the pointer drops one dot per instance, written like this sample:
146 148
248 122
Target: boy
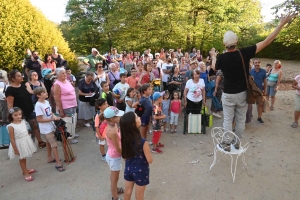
70 76
106 94
145 102
45 119
132 80
157 121
120 91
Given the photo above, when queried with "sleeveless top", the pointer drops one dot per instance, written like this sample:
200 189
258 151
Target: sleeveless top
146 79
156 72
139 159
111 150
67 94
273 77
175 106
57 60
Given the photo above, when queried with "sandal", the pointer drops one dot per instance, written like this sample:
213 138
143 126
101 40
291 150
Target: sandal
120 190
272 108
31 171
294 125
60 168
53 161
29 178
42 145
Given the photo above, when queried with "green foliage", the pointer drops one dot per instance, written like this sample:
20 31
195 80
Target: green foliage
140 24
23 27
278 50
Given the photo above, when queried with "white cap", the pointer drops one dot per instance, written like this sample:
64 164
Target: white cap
230 39
94 49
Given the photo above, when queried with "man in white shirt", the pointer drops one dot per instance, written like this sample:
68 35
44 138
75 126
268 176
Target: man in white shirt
167 69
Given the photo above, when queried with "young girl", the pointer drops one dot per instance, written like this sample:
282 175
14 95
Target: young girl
139 109
129 100
113 156
137 155
175 109
21 143
165 109
100 125
147 75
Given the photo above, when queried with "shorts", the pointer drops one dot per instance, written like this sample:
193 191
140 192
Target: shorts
31 116
101 142
140 177
270 91
145 121
297 103
115 164
51 139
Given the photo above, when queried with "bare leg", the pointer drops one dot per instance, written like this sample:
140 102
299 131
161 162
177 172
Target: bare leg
139 192
49 152
144 130
171 127
23 167
273 101
114 177
102 150
55 153
35 130
128 190
296 116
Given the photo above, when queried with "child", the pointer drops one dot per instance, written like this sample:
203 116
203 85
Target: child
157 122
113 156
129 100
147 75
137 155
165 109
70 76
146 103
21 143
175 109
106 94
45 119
100 125
132 80
123 87
139 109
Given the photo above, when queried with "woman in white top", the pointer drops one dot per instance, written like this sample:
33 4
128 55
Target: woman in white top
100 75
194 94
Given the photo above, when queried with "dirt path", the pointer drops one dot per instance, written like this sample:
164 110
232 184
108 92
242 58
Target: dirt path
272 165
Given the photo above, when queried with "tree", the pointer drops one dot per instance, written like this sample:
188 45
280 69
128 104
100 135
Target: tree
23 27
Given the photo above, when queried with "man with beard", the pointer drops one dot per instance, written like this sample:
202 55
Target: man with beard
167 69
34 64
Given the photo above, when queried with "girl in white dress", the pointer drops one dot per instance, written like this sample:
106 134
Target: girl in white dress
21 143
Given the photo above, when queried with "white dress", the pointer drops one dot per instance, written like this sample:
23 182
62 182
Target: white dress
24 143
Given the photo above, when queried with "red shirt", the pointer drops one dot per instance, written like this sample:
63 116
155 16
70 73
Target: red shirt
175 106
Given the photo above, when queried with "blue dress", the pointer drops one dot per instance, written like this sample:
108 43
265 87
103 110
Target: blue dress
137 168
165 109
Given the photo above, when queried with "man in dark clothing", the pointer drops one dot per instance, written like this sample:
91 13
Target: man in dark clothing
34 64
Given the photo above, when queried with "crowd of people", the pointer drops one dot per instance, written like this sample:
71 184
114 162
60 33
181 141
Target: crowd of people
122 94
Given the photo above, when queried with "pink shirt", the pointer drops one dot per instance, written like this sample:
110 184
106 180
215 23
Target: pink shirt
67 94
111 149
175 106
297 79
132 82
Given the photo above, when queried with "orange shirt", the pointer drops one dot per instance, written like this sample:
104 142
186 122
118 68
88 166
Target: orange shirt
132 82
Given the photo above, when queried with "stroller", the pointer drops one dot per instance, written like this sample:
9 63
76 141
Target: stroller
62 135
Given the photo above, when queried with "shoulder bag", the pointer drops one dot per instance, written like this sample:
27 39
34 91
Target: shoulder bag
253 92
116 81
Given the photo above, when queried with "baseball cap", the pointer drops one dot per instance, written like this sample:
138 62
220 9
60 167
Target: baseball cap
157 95
230 39
112 111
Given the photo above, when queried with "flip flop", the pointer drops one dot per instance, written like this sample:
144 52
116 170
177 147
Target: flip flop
31 171
53 161
60 168
29 178
120 190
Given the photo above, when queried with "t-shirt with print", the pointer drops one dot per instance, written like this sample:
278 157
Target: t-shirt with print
129 109
147 105
297 79
230 63
166 66
123 87
195 93
158 122
35 66
44 110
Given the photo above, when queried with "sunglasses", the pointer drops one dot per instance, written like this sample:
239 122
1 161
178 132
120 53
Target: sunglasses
154 62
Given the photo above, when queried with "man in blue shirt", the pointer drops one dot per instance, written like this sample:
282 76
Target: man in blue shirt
259 76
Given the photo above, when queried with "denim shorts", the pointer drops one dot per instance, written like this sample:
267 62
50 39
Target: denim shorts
115 164
270 91
145 121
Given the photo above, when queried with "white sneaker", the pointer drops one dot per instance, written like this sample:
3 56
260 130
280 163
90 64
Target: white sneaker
76 136
74 141
103 158
150 143
216 115
87 125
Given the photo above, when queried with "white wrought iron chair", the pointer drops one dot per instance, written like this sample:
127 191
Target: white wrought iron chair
221 137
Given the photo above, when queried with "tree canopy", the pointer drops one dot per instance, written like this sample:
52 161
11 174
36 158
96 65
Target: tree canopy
23 27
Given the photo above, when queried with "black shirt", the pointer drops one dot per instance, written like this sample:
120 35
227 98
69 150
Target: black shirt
86 88
22 99
230 63
35 65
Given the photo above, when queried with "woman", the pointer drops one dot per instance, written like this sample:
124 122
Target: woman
218 93
128 64
48 64
194 94
184 66
58 58
156 70
113 75
173 57
175 81
140 69
274 79
86 89
17 95
187 57
296 85
203 72
147 76
33 83
162 54
199 56
100 75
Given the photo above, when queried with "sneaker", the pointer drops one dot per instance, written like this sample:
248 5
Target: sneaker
87 125
74 141
103 158
150 143
157 150
216 115
160 145
175 131
260 120
171 131
150 132
166 130
71 137
76 136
